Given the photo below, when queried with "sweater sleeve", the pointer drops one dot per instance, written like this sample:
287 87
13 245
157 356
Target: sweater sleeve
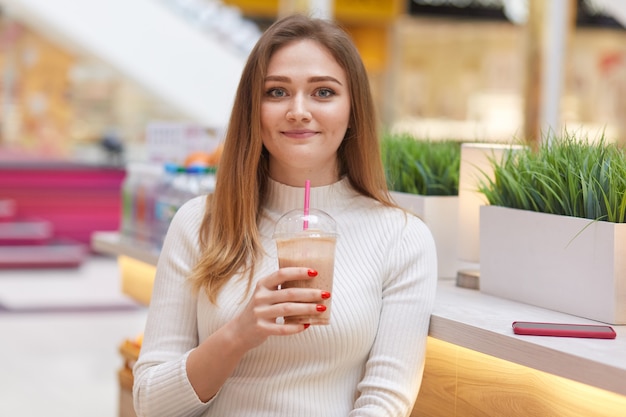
161 386
394 369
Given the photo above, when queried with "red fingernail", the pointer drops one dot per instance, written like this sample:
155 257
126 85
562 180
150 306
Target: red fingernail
320 307
306 325
325 295
312 272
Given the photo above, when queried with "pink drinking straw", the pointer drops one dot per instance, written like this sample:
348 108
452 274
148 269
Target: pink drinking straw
307 196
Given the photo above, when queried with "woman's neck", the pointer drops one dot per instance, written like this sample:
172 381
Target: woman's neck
283 197
319 177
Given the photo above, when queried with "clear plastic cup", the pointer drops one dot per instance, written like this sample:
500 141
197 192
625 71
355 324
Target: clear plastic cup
308 241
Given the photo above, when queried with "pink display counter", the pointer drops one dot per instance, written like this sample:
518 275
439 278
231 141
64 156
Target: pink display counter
75 199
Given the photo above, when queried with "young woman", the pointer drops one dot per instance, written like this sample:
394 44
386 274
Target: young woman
213 345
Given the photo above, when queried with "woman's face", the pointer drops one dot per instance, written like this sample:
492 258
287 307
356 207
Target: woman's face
305 112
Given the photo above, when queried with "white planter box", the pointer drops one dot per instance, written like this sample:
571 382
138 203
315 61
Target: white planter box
440 213
562 263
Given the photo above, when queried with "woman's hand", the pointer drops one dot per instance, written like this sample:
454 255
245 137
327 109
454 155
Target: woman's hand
214 360
258 320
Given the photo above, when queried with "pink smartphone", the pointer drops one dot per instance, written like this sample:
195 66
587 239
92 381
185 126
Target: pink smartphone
597 331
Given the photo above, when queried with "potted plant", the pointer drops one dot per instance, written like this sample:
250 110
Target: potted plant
553 234
423 177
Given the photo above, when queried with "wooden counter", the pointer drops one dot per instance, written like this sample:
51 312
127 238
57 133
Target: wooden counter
482 323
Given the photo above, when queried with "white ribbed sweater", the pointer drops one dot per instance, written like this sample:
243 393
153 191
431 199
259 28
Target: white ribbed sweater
367 362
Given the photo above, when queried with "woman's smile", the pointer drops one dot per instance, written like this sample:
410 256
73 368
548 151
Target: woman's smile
299 133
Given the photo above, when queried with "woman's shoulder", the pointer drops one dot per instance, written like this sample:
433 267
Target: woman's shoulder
368 209
401 217
194 205
394 211
190 213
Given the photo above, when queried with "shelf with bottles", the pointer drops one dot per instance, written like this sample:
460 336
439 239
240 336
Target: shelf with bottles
151 195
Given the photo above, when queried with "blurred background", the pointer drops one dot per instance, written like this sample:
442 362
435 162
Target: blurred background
74 74
99 101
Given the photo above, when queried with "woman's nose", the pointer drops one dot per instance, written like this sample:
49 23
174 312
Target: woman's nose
298 110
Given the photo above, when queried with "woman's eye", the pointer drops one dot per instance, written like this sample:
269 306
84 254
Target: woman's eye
276 93
325 93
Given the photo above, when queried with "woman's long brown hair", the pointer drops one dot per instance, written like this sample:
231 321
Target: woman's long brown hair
229 235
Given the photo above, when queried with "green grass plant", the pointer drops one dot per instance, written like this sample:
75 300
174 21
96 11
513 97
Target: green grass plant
566 175
422 167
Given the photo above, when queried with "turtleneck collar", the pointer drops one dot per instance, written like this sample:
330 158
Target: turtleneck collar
282 198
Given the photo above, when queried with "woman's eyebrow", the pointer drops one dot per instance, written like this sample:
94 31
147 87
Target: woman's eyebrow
324 78
316 79
280 78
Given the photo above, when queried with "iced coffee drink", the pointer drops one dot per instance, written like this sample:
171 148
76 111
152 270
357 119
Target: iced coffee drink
308 241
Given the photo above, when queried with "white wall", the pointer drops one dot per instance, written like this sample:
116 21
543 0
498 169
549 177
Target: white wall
149 44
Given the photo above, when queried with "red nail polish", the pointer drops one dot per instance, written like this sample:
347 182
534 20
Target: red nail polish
325 295
320 307
306 325
312 272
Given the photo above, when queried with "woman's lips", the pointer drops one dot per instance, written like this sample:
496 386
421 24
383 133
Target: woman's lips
299 134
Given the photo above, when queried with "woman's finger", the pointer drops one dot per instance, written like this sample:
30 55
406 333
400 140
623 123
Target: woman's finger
293 273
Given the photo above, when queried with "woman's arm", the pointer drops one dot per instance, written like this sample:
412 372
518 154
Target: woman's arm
177 374
395 366
214 360
161 386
